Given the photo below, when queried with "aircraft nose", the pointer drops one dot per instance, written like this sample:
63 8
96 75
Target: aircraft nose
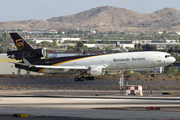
173 59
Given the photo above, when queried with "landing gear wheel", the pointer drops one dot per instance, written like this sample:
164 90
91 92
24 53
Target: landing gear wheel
76 79
152 75
90 78
81 78
153 72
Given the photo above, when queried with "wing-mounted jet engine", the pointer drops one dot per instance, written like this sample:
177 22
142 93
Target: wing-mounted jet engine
96 71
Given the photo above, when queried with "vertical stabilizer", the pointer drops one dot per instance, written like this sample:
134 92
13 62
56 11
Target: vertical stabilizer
21 43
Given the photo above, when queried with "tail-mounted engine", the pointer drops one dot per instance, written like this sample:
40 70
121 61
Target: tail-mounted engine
32 54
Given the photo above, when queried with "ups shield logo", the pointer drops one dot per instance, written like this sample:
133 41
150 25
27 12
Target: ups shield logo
20 44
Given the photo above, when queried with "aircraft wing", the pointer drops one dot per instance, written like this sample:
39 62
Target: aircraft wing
60 67
53 67
27 64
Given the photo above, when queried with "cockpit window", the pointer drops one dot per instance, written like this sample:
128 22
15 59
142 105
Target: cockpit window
166 56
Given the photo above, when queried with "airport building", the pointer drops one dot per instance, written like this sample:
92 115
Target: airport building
59 40
8 67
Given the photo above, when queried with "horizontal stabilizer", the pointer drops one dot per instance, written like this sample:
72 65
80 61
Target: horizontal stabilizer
26 62
21 64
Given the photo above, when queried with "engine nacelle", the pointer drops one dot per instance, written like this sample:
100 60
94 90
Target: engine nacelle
96 71
19 55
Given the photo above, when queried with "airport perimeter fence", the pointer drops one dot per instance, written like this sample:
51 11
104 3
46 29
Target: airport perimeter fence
82 87
68 83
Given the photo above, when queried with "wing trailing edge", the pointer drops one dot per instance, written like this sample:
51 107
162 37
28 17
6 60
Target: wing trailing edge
60 67
51 67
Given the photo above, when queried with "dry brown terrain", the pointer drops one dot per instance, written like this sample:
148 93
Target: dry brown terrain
159 83
106 18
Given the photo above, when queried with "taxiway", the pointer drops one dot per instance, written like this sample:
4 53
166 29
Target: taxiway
81 104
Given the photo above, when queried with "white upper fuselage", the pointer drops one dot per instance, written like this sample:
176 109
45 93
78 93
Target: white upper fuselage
123 61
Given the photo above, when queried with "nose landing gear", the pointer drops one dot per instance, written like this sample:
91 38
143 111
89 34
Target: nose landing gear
153 72
152 75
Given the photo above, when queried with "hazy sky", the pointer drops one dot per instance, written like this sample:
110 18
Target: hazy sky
45 9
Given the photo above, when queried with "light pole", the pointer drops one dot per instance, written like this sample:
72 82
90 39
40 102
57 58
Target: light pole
121 80
4 35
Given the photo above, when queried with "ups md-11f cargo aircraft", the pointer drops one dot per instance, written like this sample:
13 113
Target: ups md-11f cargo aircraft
94 65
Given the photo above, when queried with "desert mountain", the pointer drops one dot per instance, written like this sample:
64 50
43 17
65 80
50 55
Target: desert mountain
106 18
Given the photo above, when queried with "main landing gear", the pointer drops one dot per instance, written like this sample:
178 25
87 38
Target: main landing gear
79 78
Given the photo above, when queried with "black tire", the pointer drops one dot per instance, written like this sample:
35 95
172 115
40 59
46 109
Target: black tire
76 79
87 78
81 79
152 75
92 78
